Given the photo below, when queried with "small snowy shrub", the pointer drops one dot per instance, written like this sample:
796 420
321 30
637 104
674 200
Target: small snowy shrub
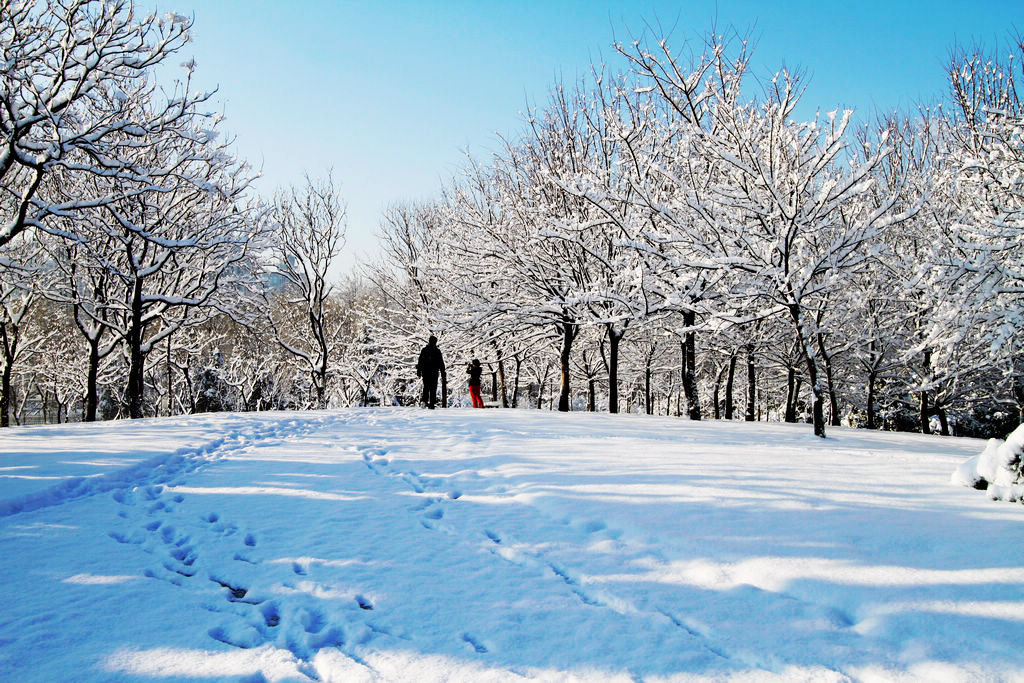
999 468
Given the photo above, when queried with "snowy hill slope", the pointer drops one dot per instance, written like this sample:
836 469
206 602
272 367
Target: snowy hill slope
494 545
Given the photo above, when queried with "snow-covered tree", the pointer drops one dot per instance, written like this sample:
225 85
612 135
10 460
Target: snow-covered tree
73 74
309 233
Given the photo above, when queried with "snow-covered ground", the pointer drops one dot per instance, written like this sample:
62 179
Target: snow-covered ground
404 544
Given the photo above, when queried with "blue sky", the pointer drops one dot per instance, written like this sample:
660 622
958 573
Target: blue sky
391 94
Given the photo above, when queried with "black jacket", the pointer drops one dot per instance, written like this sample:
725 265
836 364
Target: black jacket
474 372
430 363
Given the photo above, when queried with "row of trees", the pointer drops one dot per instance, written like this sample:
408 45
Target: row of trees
672 239
130 231
880 270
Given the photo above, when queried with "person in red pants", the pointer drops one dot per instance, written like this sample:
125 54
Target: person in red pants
474 371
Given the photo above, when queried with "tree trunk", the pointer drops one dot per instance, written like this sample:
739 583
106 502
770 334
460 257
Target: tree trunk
515 383
613 369
833 401
690 366
818 404
494 386
751 385
728 386
569 331
647 387
170 405
791 395
501 378
591 395
872 378
943 422
5 395
718 386
926 411
136 358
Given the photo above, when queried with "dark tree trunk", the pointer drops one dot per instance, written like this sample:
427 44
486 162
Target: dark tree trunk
751 386
943 422
728 387
718 387
9 337
170 405
515 383
818 403
501 378
136 364
647 388
818 406
833 401
5 395
690 366
494 386
872 378
792 394
926 411
569 331
613 369
444 390
591 395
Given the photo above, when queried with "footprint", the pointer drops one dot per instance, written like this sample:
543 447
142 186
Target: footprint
210 517
493 536
134 539
313 621
363 602
455 494
298 569
271 614
236 593
185 554
245 638
188 573
474 643
434 513
169 579
250 540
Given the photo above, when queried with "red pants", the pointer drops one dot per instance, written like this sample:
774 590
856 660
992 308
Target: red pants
474 393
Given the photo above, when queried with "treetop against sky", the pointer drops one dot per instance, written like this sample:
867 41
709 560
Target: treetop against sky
392 94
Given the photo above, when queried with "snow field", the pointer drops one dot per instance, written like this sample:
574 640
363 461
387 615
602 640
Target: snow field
493 545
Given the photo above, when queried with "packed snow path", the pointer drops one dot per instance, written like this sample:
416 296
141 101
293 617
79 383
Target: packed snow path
498 545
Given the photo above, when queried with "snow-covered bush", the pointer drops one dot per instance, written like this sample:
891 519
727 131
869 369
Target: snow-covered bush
999 468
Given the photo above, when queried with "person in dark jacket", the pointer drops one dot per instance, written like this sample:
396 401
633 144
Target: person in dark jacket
474 371
431 363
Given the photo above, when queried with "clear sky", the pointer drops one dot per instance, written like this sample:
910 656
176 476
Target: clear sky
392 94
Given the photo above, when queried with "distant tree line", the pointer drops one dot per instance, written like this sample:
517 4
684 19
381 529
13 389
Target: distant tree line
670 240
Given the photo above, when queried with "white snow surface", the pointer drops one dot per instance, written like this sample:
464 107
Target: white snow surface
412 545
